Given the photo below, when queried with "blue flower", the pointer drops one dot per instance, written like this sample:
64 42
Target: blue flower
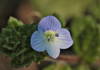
50 37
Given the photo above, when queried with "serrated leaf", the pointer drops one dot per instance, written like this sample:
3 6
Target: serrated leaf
14 22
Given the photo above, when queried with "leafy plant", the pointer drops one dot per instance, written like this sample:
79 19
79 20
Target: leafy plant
15 42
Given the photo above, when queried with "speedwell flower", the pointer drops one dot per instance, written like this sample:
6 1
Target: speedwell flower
51 37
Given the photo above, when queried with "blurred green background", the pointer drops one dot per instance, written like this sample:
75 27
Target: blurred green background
64 8
81 17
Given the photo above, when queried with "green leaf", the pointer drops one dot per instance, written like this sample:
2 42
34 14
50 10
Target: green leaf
15 42
15 22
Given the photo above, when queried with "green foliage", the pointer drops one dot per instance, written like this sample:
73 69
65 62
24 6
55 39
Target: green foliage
95 10
15 42
83 67
58 66
14 22
64 8
86 35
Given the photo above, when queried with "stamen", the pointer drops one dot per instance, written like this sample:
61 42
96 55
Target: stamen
50 35
57 35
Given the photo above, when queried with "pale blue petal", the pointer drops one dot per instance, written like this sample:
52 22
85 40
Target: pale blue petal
53 50
61 44
49 23
37 42
65 40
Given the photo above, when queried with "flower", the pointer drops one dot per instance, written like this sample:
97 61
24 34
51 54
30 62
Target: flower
50 37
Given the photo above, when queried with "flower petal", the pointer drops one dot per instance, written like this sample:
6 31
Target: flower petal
49 23
65 41
53 50
37 42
